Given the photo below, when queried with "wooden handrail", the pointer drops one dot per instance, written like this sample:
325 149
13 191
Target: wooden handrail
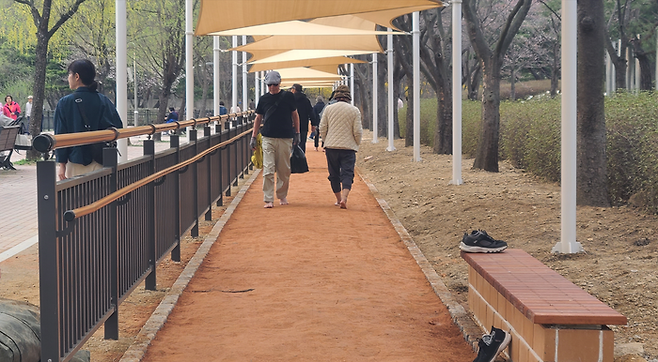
71 215
46 142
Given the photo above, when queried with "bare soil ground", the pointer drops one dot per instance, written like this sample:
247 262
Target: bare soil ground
619 266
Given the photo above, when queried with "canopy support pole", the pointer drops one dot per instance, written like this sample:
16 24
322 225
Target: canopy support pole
456 93
416 67
568 243
375 128
245 93
234 89
215 66
122 74
189 60
391 105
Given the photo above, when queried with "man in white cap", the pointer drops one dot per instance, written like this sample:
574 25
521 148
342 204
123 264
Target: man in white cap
277 112
28 109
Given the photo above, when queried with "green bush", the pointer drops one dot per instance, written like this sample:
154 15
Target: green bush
530 139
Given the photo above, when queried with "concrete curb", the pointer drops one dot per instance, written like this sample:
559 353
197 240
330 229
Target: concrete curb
138 348
470 330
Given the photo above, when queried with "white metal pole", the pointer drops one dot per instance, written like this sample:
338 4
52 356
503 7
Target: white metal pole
375 128
234 96
256 87
416 67
392 104
352 81
215 66
135 112
456 93
189 62
568 243
122 74
245 88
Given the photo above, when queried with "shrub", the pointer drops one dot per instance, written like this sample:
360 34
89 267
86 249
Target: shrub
530 139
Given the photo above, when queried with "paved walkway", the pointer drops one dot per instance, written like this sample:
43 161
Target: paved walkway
304 282
18 201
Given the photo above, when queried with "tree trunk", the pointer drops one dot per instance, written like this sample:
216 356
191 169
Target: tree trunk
443 133
38 91
486 156
620 73
409 124
555 71
592 185
474 83
382 110
646 80
512 85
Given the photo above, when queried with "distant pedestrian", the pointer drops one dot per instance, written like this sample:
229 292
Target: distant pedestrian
306 113
341 132
222 108
28 108
11 109
317 109
172 116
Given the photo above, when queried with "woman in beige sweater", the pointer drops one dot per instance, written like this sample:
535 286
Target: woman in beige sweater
341 130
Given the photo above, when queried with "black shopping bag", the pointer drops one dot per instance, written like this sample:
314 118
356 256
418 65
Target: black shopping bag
298 162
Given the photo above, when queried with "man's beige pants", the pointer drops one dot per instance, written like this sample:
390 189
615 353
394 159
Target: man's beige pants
276 159
76 169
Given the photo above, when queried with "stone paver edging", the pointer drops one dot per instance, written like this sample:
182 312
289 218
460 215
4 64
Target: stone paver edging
460 316
138 348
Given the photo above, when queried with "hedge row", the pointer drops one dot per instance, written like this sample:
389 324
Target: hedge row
530 139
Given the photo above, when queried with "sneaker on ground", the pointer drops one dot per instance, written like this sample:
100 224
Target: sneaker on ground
479 241
492 344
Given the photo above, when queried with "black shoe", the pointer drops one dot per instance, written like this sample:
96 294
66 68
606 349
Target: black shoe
492 344
480 242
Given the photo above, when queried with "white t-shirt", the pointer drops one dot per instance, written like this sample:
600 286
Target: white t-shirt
28 109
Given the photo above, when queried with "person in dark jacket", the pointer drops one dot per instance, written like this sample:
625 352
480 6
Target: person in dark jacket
317 109
99 112
306 114
172 116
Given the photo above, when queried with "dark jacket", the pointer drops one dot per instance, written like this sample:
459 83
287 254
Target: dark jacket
317 109
100 112
306 113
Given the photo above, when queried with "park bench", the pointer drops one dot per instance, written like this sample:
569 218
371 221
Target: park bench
549 317
7 141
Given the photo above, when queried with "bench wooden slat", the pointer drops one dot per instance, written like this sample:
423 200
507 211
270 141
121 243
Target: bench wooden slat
540 293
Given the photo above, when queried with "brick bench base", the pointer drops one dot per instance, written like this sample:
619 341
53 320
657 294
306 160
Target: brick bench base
550 318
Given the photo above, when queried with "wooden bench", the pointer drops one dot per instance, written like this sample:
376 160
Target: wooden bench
7 141
549 317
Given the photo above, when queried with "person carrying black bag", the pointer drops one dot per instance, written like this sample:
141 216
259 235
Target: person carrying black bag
278 113
83 110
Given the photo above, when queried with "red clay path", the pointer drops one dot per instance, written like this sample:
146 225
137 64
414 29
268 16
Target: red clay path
309 282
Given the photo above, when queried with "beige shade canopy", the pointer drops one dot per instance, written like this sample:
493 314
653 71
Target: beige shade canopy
288 74
222 15
293 55
316 63
308 84
296 27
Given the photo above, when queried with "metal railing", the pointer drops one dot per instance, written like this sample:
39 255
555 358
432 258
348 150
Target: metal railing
103 233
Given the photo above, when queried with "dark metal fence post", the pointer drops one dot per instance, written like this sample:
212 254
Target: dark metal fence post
174 142
195 182
228 168
48 260
150 282
112 323
206 134
220 201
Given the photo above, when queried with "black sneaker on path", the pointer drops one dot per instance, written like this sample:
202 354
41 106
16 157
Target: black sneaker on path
492 344
479 241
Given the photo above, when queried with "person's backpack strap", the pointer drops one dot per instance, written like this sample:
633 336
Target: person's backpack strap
272 109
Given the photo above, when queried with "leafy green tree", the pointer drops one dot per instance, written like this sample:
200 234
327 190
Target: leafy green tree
44 32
